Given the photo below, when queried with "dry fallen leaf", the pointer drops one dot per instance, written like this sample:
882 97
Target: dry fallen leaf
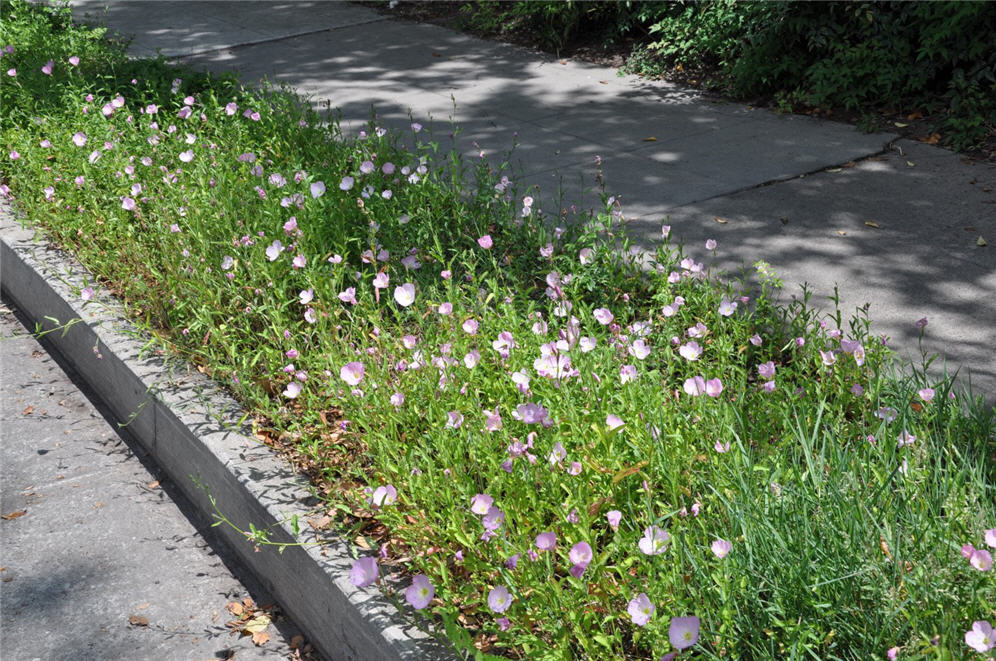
28 411
933 139
650 139
257 624
138 621
901 125
153 484
872 223
721 221
13 515
604 82
910 164
260 638
841 232
235 608
981 242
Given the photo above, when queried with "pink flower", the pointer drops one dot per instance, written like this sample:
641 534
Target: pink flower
470 326
981 560
492 419
581 555
299 262
346 183
364 572
445 309
721 447
546 541
613 422
347 296
721 548
991 538
420 592
654 541
128 204
603 316
454 420
273 250
292 390
893 653
640 609
905 438
981 637
499 599
614 517
352 373
727 307
481 503
79 139
695 386
639 350
398 399
187 156
73 60
766 370
485 242
47 69
87 294
713 387
690 351
684 631
384 495
317 189
405 294
627 373
926 394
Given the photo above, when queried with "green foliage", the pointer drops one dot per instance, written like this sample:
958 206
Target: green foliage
937 57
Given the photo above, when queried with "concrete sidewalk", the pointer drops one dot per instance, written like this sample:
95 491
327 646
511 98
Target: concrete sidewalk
100 556
794 191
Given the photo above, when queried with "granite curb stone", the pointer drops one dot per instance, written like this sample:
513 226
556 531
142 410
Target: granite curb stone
194 430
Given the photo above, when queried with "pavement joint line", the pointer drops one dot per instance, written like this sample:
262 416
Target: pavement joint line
271 40
247 480
889 146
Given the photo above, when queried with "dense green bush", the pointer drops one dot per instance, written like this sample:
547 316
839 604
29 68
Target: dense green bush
934 57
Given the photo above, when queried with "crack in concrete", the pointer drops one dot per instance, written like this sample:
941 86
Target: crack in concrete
273 40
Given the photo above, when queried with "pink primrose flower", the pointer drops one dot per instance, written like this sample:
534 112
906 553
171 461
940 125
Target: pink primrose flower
499 599
352 373
640 609
420 592
684 631
654 541
364 572
721 548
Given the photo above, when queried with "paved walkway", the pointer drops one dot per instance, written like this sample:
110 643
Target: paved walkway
98 559
796 192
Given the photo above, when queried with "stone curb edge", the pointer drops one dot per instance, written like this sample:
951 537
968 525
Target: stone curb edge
192 429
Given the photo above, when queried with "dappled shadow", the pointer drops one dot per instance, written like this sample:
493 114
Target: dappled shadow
665 151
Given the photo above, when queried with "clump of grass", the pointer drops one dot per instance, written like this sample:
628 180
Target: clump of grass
574 454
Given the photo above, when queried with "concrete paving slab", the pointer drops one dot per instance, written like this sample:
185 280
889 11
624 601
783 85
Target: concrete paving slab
177 29
101 538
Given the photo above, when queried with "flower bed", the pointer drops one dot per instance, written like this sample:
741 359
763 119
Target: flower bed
571 451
